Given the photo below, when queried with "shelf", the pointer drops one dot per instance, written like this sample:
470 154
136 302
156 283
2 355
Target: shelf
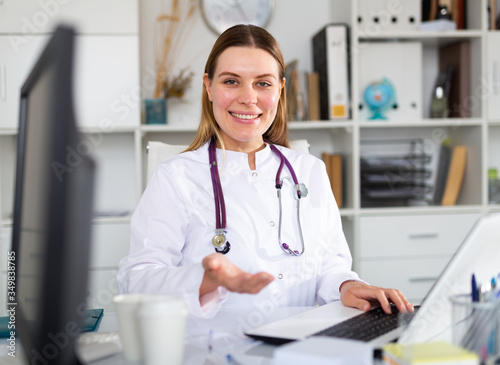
452 122
426 37
346 212
319 124
117 219
8 131
168 128
412 210
97 130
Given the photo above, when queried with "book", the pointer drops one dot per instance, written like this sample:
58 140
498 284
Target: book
430 353
493 14
458 56
455 176
334 169
441 173
313 92
331 61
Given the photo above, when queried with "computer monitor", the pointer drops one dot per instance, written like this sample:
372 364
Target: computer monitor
52 211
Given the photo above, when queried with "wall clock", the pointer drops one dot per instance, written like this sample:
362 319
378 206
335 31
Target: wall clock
222 14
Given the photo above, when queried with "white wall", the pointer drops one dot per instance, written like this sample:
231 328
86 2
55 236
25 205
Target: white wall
293 24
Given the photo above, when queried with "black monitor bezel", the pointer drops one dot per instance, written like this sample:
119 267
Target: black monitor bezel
64 280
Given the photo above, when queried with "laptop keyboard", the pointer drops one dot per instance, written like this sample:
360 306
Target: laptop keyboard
364 327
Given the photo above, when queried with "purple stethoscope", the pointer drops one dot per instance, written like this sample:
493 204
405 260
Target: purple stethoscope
219 241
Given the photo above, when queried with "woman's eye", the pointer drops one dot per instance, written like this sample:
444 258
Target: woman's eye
230 82
264 84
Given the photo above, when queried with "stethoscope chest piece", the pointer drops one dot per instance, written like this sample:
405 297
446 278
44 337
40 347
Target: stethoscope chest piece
221 244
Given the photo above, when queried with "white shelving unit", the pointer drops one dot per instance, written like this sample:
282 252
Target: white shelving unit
403 247
106 78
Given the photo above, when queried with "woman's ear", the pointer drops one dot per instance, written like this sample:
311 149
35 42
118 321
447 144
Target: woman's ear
282 84
208 85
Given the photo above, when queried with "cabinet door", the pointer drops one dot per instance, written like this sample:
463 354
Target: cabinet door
102 289
87 16
110 242
107 81
17 58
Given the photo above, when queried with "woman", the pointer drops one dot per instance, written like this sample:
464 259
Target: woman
264 255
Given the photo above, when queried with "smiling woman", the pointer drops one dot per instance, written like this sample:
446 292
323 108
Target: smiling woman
244 92
279 226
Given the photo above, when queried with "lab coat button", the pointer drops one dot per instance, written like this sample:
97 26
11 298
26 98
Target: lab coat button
280 276
272 223
254 173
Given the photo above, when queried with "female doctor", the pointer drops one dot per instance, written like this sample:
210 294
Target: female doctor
239 219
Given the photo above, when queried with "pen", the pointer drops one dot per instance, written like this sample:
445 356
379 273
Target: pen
230 360
210 339
474 289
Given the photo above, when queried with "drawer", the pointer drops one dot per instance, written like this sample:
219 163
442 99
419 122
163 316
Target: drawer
101 289
414 277
413 235
110 242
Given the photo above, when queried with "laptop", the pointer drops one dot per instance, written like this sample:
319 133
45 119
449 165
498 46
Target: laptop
478 254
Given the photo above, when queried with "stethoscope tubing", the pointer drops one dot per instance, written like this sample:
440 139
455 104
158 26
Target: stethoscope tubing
220 206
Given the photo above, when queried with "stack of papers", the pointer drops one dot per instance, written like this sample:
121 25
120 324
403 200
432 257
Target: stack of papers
432 353
319 350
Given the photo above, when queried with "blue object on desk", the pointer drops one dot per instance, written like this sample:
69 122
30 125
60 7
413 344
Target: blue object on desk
91 321
4 327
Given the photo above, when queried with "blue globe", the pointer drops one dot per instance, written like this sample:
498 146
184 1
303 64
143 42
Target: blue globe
380 96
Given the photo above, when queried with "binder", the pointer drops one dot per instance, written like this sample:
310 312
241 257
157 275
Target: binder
458 56
331 61
441 173
456 174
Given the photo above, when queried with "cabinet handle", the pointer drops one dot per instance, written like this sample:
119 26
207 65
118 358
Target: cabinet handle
423 235
422 279
3 86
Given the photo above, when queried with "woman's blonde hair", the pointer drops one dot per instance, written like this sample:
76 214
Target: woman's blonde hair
242 36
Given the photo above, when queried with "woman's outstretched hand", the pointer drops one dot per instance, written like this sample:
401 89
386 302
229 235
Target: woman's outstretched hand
360 295
220 271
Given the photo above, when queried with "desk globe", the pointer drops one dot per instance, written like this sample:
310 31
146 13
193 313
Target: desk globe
380 96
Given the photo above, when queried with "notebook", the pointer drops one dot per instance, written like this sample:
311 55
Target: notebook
478 254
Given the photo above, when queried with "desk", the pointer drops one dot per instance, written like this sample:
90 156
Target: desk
225 340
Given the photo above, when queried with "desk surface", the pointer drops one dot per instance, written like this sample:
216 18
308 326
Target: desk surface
227 338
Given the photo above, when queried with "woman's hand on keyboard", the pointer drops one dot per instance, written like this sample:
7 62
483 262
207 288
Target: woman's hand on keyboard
360 295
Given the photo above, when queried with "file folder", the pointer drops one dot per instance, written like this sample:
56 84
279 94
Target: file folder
331 61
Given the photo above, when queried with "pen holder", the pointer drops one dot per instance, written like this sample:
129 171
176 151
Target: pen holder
476 325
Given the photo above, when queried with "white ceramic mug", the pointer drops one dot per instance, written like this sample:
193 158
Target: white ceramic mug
126 306
162 328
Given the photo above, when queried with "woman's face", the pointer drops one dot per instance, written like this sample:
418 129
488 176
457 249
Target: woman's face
244 92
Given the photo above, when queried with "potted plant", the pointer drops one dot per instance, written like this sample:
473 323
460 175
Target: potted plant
171 31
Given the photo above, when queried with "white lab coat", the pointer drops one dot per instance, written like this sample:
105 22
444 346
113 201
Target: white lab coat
174 223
